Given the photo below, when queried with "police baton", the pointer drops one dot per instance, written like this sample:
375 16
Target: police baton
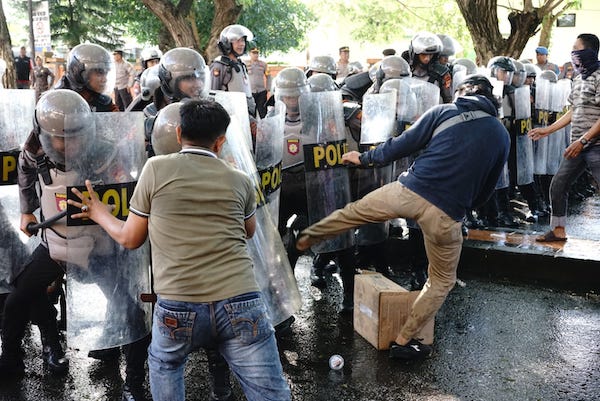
33 228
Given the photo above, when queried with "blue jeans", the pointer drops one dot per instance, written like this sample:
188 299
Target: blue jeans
239 327
567 173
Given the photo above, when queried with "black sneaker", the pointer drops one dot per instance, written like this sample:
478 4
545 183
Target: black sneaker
411 351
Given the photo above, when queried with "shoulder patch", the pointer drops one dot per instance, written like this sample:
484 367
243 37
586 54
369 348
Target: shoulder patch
447 81
216 72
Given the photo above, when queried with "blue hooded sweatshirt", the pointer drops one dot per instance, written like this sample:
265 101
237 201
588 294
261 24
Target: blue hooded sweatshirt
458 168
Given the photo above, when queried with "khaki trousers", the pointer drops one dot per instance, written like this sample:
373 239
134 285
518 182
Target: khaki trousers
442 234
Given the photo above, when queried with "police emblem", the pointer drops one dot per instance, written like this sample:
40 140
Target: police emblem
293 146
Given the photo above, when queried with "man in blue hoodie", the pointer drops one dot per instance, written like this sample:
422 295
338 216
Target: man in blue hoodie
464 147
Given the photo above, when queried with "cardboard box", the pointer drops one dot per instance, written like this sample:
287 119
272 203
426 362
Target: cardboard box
381 308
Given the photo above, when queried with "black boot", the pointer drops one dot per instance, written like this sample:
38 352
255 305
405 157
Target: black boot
133 393
136 355
317 272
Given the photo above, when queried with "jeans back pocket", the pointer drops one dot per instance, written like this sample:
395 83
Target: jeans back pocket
249 320
174 324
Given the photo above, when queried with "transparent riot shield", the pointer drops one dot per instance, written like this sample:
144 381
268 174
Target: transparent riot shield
272 269
459 73
236 105
269 155
524 145
427 95
543 103
16 122
104 280
327 179
557 141
378 118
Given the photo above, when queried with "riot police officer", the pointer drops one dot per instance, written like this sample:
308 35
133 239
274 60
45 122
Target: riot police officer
90 73
59 114
322 64
228 72
423 52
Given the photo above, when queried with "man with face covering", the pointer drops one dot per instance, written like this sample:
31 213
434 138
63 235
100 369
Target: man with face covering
584 116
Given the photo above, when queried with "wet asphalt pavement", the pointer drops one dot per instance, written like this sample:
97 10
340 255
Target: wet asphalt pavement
493 341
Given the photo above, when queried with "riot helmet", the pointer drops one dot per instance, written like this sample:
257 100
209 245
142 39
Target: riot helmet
549 76
150 54
290 84
321 83
91 66
183 74
469 65
231 34
449 48
520 74
354 67
324 64
392 67
66 126
149 82
424 43
502 68
532 71
164 131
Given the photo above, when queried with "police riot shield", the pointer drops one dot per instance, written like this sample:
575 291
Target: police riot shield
524 144
105 281
378 118
268 156
16 122
459 73
237 107
557 140
426 93
272 269
543 103
327 179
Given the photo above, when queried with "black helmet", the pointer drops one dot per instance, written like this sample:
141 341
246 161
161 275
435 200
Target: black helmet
164 134
232 33
180 64
321 83
324 64
85 58
502 68
424 43
148 54
65 121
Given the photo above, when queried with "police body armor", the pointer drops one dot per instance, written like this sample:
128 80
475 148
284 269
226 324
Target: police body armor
272 270
238 80
327 179
557 141
378 120
105 281
16 122
524 144
269 154
541 115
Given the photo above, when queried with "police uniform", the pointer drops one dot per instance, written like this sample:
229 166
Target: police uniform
436 74
232 76
257 71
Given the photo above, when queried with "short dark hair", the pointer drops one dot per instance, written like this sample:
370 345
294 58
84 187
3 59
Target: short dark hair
203 121
590 41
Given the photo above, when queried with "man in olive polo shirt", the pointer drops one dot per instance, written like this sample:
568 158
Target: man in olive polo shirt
198 211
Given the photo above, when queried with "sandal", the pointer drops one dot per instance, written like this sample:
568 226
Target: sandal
550 237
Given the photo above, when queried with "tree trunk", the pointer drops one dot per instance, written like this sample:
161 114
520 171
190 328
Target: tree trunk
10 77
227 12
482 22
546 32
175 20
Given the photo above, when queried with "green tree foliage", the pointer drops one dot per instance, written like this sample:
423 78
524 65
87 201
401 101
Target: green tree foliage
77 21
276 24
387 21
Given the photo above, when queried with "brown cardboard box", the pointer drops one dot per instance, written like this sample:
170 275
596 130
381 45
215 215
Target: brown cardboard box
381 308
